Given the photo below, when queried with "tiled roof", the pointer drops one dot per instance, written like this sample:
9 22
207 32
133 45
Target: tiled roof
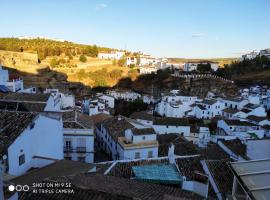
201 107
22 106
81 119
181 146
100 117
72 125
222 176
25 97
209 101
12 124
236 146
213 152
170 121
251 106
58 168
116 126
126 187
256 118
142 115
143 131
233 122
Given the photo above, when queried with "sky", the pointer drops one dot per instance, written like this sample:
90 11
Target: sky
162 28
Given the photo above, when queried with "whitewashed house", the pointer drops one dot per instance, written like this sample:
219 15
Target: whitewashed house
98 104
265 52
12 83
113 55
126 95
192 66
240 129
148 70
262 121
208 109
175 105
234 103
30 140
146 60
253 109
131 60
124 138
171 125
78 135
66 100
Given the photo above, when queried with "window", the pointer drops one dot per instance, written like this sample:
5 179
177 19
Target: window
143 137
67 158
137 155
81 159
150 154
68 144
21 159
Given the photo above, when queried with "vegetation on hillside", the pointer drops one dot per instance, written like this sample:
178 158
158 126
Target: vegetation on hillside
244 67
46 47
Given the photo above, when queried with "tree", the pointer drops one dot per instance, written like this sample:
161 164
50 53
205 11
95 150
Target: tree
204 67
54 62
122 61
83 58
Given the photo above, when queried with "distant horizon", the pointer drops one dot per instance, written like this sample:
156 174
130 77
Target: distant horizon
174 29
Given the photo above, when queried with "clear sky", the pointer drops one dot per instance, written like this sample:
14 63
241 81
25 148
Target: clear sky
171 28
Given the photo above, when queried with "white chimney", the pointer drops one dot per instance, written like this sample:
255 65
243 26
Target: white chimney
171 154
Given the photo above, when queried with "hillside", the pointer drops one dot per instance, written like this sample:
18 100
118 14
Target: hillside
221 61
47 47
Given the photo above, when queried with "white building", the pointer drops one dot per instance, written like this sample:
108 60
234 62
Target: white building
131 60
101 103
66 100
126 95
249 56
235 103
13 83
192 66
171 125
175 105
124 138
146 60
112 55
265 52
31 140
240 129
78 133
208 109
148 70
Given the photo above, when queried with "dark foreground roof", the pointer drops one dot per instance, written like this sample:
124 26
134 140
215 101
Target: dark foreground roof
142 115
170 121
58 168
12 124
25 97
127 187
22 106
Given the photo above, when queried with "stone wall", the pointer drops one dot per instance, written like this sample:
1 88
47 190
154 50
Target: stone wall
11 58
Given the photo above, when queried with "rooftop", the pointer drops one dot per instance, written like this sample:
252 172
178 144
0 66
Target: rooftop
233 122
230 110
23 97
236 146
12 124
256 118
157 173
255 176
58 168
143 131
170 121
209 101
142 115
22 106
127 145
75 119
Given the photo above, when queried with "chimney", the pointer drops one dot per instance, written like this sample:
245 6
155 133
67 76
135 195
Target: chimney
171 154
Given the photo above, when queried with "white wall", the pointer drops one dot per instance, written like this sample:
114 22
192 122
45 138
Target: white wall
258 149
44 139
130 153
163 129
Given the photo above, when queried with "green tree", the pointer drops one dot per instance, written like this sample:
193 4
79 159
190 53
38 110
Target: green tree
204 67
82 58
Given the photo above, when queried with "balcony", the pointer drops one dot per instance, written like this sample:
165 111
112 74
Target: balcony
81 149
68 149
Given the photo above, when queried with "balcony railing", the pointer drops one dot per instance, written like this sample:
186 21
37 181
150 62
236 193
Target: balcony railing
75 150
81 149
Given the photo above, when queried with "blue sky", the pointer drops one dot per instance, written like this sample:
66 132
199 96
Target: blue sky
171 28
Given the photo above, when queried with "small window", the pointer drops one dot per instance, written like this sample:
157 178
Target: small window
143 137
21 159
150 154
137 155
67 158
